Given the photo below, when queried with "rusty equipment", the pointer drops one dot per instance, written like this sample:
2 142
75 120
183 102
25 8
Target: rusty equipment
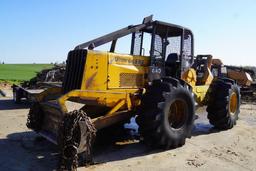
243 76
52 77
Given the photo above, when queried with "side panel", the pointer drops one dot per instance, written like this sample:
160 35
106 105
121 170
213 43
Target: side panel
126 71
95 73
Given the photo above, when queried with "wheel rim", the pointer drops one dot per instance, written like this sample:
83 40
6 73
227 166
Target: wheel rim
233 103
177 114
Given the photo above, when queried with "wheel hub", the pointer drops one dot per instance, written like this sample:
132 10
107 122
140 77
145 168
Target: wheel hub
177 114
233 103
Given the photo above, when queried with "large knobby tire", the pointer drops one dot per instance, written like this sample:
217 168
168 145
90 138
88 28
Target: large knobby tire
224 103
167 113
75 137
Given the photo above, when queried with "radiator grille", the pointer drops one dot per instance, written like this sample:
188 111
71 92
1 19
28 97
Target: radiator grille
131 80
74 70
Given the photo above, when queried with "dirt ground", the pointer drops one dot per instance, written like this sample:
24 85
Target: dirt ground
208 149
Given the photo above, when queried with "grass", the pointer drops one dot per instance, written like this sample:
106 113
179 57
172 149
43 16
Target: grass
16 73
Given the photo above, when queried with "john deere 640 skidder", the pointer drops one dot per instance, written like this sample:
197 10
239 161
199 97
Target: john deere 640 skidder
157 79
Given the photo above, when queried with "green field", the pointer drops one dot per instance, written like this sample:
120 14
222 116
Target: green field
20 72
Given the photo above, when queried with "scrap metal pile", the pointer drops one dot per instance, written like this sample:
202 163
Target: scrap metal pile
52 75
246 78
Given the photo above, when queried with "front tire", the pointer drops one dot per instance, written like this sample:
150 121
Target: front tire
167 113
76 136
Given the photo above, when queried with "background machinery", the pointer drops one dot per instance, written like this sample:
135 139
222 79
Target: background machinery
46 78
157 80
244 77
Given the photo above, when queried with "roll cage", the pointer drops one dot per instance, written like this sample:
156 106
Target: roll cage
162 35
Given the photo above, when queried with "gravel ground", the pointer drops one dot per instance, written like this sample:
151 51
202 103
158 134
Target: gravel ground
208 149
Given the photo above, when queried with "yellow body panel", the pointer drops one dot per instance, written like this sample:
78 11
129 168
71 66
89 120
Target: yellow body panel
109 98
105 70
208 77
189 76
126 71
105 80
95 75
200 93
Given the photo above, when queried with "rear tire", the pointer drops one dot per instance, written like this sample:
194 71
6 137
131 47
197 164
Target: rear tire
224 104
167 113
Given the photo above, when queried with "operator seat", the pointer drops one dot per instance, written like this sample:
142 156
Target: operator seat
172 64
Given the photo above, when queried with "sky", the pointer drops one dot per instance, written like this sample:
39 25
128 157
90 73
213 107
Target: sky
44 31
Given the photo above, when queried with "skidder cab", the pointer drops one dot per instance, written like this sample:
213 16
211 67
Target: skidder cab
157 80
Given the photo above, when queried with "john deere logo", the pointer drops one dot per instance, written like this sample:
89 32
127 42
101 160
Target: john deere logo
127 61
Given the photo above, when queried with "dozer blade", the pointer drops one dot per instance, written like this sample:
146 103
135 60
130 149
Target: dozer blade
73 132
52 118
45 118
